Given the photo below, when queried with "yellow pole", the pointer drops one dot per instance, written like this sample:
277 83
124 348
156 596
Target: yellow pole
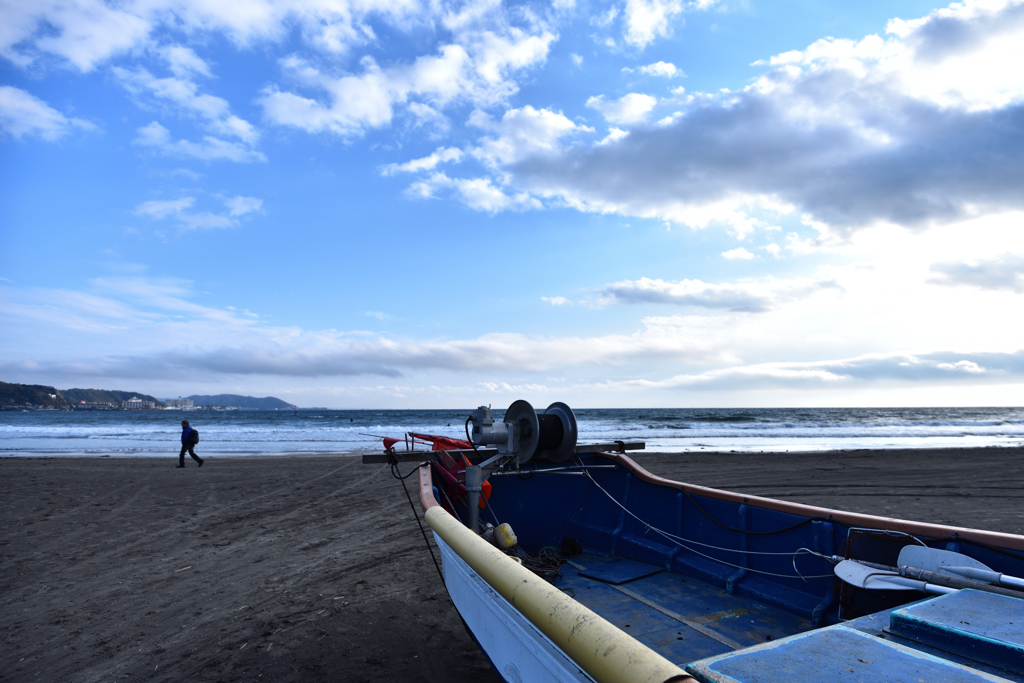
598 647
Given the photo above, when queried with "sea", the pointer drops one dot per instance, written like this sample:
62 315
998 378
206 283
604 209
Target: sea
316 431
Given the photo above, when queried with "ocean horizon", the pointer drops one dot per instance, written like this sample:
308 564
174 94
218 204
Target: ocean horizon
321 431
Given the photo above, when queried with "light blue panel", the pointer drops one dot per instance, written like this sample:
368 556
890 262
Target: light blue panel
833 654
983 626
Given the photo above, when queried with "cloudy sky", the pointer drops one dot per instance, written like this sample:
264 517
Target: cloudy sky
409 203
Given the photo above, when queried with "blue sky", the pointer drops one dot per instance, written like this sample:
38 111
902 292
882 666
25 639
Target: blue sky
410 204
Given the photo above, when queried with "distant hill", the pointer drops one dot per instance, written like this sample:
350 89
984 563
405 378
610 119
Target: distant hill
241 402
75 396
30 395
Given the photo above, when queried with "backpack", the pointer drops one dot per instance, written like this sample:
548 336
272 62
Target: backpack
193 436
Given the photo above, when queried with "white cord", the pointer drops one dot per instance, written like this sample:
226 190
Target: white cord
681 542
889 532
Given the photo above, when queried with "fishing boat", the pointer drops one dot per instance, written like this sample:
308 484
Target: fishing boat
570 562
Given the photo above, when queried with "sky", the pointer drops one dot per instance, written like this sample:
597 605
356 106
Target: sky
426 203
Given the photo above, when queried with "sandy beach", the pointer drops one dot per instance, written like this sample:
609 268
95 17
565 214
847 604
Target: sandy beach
310 568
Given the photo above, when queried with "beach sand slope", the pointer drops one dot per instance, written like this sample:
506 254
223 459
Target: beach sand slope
293 569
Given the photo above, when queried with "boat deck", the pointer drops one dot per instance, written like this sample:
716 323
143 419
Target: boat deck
680 617
967 637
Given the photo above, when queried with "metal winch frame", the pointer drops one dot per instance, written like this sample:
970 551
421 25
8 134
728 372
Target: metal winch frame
520 436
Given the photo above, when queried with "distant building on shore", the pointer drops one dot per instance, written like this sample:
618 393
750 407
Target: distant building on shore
179 403
136 403
93 405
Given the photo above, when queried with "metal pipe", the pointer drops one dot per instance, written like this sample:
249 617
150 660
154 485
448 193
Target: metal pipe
564 474
552 470
1011 582
474 484
954 581
604 651
989 576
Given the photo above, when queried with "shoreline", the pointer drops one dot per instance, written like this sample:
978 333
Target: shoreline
702 452
50 455
312 567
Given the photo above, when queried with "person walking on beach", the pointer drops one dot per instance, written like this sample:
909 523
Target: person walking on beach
187 444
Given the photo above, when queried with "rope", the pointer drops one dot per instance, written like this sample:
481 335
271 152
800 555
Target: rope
468 437
681 542
547 564
487 504
396 473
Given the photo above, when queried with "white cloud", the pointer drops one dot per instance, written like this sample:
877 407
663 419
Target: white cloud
606 18
848 373
239 206
157 137
752 295
1004 273
84 32
160 209
647 20
614 135
230 344
158 314
425 116
479 69
953 57
88 32
845 135
205 220
480 194
22 114
556 300
523 132
738 253
356 103
184 62
427 163
628 109
962 366
182 94
519 133
662 69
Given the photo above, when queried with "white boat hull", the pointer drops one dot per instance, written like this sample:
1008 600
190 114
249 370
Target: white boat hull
517 649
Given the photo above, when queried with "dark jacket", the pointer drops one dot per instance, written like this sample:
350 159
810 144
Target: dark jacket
186 432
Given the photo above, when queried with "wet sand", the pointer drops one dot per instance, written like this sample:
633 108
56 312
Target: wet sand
311 568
